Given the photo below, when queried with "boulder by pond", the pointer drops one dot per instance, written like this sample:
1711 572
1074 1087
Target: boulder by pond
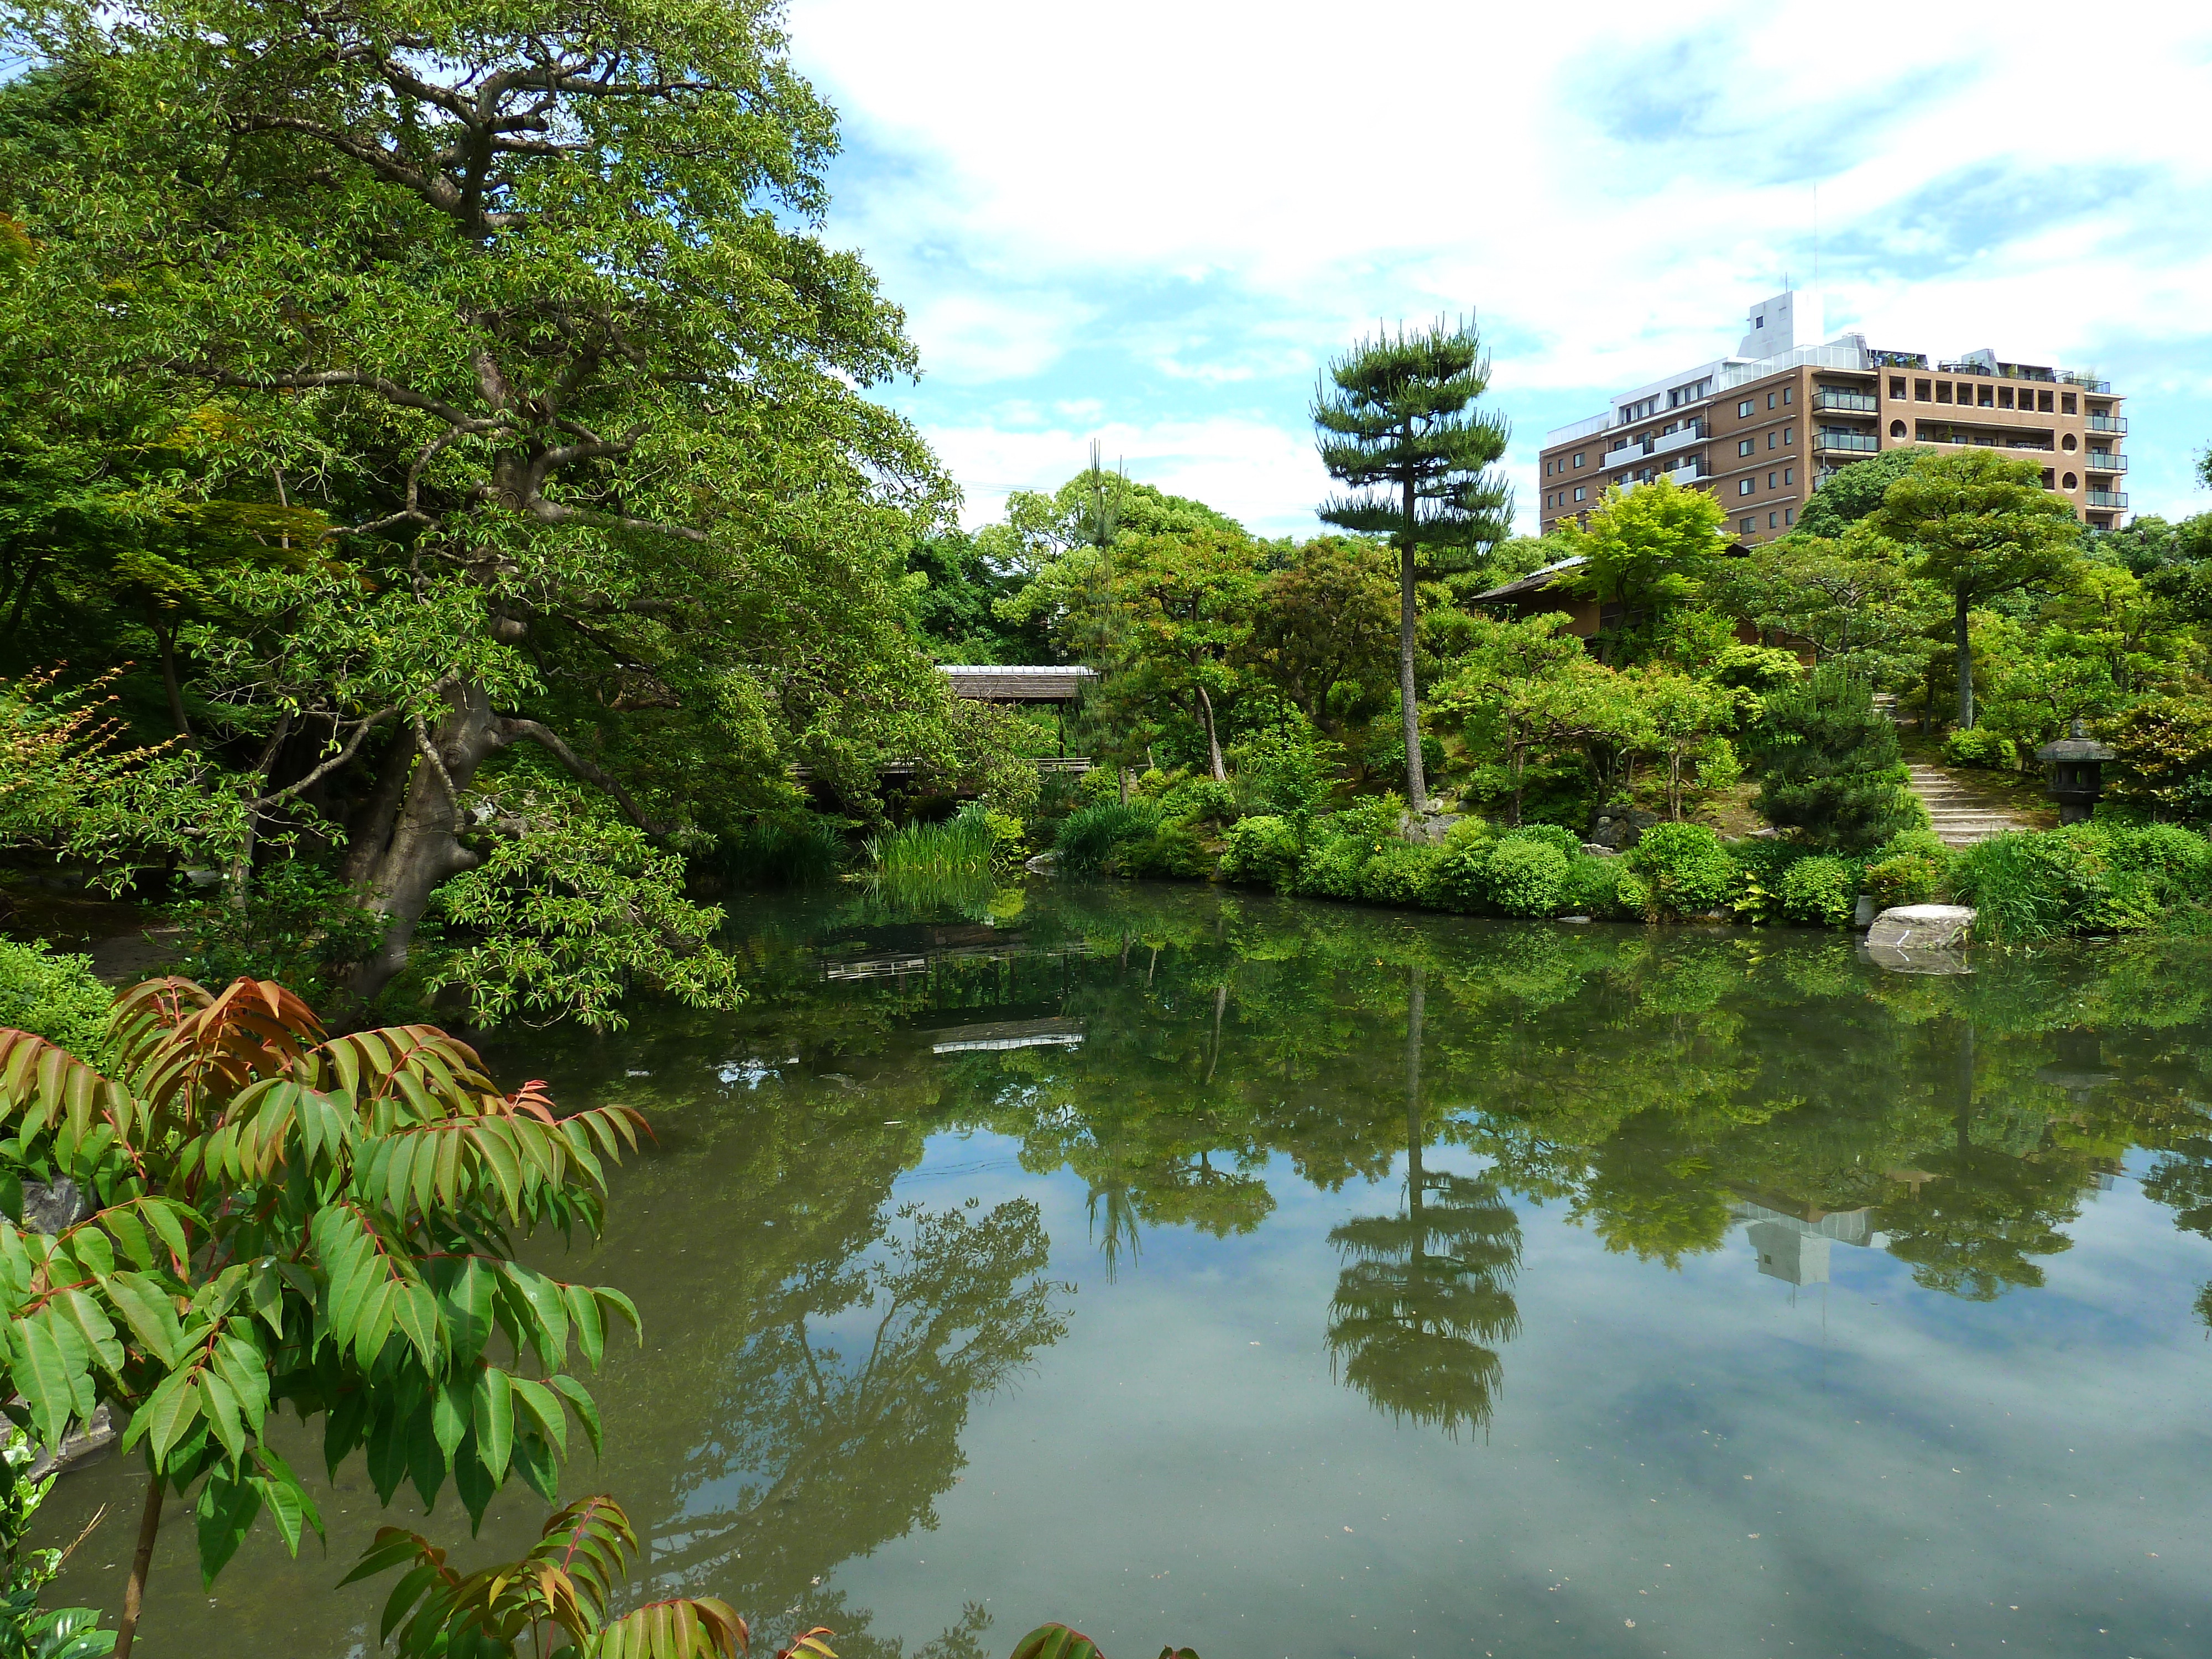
1920 927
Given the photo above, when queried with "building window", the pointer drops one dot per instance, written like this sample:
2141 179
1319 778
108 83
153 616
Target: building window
1745 526
1788 515
1580 492
2067 443
1744 487
2043 402
1770 481
1985 397
2004 396
1789 436
1789 475
1897 386
1743 446
1788 392
1920 392
1743 409
1774 521
1578 457
1772 438
2047 479
1897 428
2068 401
1942 392
2072 481
1770 400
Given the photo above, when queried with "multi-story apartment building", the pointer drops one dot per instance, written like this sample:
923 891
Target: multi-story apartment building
1762 429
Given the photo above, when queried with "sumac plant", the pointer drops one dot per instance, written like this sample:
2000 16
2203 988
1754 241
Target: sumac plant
271 1216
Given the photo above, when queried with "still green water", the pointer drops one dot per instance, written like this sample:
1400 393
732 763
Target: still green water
1298 1279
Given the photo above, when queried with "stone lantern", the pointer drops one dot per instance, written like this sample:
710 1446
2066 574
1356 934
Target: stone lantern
2075 764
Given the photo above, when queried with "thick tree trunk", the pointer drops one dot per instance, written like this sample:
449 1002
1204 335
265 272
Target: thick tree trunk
424 847
1216 770
1417 786
369 831
1965 668
142 1563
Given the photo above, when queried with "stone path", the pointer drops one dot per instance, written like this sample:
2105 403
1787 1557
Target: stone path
1960 815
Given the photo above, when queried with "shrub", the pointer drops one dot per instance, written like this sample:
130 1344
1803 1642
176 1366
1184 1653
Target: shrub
1558 836
1631 893
1830 767
2177 863
1822 891
963 845
1200 800
1592 887
2032 886
788 854
1401 873
1527 877
1287 774
298 927
1920 843
1089 834
1982 747
1461 878
1172 849
1905 879
1263 851
1686 867
57 997
2164 745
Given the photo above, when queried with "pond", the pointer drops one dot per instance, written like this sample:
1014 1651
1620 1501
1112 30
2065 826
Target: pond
1286 1279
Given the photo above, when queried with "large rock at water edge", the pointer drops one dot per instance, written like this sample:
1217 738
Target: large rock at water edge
1920 927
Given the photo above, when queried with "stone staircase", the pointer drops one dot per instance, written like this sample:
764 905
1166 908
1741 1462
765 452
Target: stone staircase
1960 817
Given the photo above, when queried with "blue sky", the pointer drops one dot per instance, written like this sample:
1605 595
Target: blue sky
1153 222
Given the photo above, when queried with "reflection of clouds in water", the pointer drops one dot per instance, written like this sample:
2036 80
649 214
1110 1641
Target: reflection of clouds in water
750 1072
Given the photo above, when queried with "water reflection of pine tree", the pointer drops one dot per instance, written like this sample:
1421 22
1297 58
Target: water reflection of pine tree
1426 1291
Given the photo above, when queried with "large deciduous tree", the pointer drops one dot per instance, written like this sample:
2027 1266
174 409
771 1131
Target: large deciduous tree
526 307
1399 427
1644 551
1980 526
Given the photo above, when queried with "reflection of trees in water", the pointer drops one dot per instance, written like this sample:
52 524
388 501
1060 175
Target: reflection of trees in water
821 1447
1425 1290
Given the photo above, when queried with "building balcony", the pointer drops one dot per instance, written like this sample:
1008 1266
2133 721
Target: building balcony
1844 403
2113 424
1665 444
2104 460
1865 442
2108 498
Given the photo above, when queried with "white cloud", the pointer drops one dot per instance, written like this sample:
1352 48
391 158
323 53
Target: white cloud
1245 468
1186 202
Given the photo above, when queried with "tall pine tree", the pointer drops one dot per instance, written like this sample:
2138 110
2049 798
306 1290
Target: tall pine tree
1397 427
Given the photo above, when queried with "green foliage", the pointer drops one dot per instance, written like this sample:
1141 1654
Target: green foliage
1688 870
57 997
1261 850
783 853
1822 891
571 913
1829 764
1853 598
1326 631
1647 551
2083 878
26 1630
1397 429
1593 888
1283 772
1403 873
1905 879
1980 746
1089 835
1527 877
1195 800
1556 836
292 923
1462 873
539 444
284 1219
564 1583
2165 747
1855 492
